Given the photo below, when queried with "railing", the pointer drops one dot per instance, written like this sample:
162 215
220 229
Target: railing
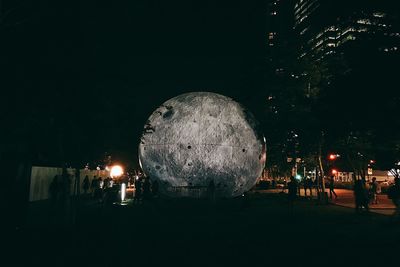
189 191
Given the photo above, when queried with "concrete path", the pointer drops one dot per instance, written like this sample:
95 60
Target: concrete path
346 199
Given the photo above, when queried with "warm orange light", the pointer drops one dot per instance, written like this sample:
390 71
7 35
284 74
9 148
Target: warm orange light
334 171
116 171
332 156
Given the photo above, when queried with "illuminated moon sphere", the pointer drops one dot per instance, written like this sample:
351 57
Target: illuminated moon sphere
199 137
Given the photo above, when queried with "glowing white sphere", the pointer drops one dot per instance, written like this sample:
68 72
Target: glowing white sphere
116 171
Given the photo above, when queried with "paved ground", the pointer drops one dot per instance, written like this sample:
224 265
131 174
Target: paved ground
262 229
346 199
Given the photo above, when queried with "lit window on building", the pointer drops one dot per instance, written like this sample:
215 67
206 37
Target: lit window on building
271 35
379 14
318 43
304 31
364 21
349 29
319 35
389 49
348 38
330 29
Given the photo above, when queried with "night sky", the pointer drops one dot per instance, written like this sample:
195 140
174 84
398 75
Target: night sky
91 72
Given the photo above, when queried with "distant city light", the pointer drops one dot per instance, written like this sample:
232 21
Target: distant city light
333 156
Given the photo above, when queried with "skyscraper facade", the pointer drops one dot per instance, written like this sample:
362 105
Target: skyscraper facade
328 27
279 35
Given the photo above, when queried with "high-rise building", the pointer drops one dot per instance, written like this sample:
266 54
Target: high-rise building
279 25
327 27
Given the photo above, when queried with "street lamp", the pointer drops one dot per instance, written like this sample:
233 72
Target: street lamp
116 171
333 156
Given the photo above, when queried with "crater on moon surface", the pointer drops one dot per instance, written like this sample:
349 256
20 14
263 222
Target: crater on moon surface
195 138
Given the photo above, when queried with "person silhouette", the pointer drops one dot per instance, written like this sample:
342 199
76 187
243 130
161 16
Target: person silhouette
85 184
53 193
154 188
394 195
361 196
146 188
309 185
373 189
332 187
98 193
292 192
138 190
292 189
93 185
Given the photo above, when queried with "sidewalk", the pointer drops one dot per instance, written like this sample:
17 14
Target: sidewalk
346 199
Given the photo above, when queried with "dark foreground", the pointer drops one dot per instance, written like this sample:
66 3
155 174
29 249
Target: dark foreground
262 231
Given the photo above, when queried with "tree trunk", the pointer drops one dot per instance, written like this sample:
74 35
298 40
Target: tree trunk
320 165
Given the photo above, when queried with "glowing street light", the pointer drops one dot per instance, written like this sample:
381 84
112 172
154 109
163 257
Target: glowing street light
333 156
116 171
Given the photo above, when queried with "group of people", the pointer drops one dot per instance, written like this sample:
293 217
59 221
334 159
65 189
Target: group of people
294 186
364 193
97 186
59 191
144 189
394 195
